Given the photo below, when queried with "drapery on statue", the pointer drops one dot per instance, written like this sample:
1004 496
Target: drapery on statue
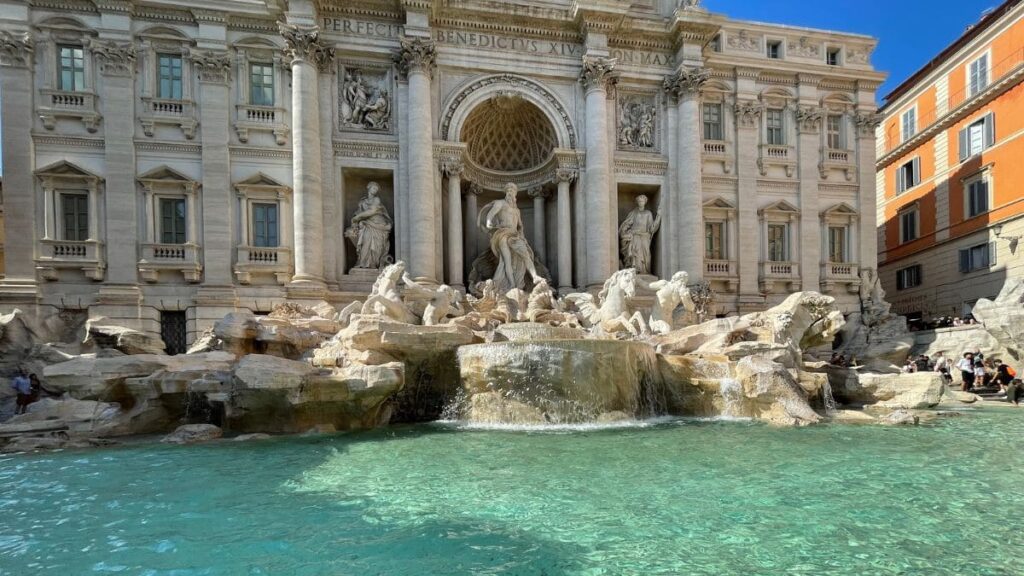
635 235
371 230
502 220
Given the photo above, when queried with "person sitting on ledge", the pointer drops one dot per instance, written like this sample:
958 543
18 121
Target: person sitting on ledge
1015 391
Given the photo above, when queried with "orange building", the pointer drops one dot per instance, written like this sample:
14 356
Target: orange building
951 173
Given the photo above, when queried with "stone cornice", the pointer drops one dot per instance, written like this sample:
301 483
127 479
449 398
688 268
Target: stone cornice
163 14
67 141
366 149
122 6
637 166
16 49
66 5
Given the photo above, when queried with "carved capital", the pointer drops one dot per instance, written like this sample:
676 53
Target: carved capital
16 49
686 81
416 54
748 113
539 193
866 123
597 73
213 66
305 45
809 119
565 175
475 189
115 59
452 167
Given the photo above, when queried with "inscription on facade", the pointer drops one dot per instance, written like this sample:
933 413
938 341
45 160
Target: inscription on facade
507 43
366 28
640 58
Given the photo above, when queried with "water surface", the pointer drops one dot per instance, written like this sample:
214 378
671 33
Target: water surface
676 497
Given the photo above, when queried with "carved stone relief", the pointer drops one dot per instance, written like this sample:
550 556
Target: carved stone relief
637 121
365 99
745 42
805 48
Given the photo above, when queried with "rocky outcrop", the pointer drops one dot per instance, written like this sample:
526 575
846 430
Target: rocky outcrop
893 391
767 391
193 434
1003 317
101 334
290 331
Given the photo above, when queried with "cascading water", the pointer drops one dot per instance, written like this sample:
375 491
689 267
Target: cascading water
828 399
731 393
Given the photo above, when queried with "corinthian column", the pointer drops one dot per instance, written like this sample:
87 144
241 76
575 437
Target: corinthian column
305 50
596 75
539 224
564 215
416 61
453 169
867 252
685 85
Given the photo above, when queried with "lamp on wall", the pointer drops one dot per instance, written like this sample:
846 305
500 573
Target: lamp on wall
998 230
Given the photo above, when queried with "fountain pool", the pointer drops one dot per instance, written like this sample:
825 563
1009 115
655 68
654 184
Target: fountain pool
672 497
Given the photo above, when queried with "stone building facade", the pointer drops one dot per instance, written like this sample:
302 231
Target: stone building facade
949 173
168 162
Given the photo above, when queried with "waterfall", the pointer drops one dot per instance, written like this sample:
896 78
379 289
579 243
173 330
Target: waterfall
731 392
827 399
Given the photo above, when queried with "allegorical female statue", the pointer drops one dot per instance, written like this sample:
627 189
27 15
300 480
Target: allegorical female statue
371 230
635 235
502 220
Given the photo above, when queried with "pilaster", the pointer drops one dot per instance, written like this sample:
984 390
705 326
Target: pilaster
685 85
748 255
867 123
809 124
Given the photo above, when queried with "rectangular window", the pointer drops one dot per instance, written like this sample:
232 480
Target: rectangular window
836 137
978 136
713 122
977 197
978 257
173 333
909 124
908 175
264 225
908 226
776 127
75 209
169 76
172 220
774 49
714 241
716 43
977 75
71 67
261 84
837 243
908 277
833 57
778 243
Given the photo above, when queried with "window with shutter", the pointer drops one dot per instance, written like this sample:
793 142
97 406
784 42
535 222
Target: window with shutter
909 124
908 226
990 129
977 197
75 209
261 84
713 122
71 67
965 261
264 225
964 149
170 76
172 220
777 248
992 246
978 75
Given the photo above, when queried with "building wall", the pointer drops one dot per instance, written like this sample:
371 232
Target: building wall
125 149
945 225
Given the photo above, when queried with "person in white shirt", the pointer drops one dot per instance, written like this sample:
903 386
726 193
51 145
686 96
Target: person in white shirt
942 367
966 367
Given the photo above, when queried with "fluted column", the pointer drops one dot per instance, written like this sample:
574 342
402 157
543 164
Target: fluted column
469 223
866 123
564 215
539 196
596 75
685 84
305 49
453 169
416 61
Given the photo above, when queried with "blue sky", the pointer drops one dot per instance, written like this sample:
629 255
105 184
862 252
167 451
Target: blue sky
910 32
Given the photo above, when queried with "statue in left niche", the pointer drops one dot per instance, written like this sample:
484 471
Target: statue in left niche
371 230
364 104
635 235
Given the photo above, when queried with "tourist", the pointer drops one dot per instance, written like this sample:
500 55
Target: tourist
981 375
1015 391
909 367
922 363
23 387
1004 375
942 367
966 367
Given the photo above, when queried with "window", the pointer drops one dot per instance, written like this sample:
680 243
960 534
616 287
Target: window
778 244
172 332
909 124
978 136
836 137
908 226
977 257
908 277
716 43
169 76
71 65
264 225
977 75
714 241
908 175
774 49
75 208
261 84
172 220
977 197
713 122
833 57
776 127
837 243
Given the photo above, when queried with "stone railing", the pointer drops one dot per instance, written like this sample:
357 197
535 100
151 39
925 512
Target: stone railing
776 151
276 261
843 273
717 151
86 255
183 258
178 113
785 272
56 104
715 148
261 119
777 155
837 156
835 159
722 271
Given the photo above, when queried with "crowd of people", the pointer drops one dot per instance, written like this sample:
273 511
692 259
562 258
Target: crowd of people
28 389
977 373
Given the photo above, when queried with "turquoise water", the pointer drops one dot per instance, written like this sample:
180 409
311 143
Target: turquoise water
679 497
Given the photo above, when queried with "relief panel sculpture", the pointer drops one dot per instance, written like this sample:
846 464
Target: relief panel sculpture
365 99
636 122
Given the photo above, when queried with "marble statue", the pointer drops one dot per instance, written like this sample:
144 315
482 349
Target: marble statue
608 313
502 220
670 294
364 105
377 113
386 299
371 230
544 307
873 305
636 124
353 97
635 235
442 301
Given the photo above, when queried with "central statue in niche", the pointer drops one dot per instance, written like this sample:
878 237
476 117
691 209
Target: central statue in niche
370 232
510 258
635 235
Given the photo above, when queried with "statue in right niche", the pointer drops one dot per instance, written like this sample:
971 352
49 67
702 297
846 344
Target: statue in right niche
370 231
635 235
